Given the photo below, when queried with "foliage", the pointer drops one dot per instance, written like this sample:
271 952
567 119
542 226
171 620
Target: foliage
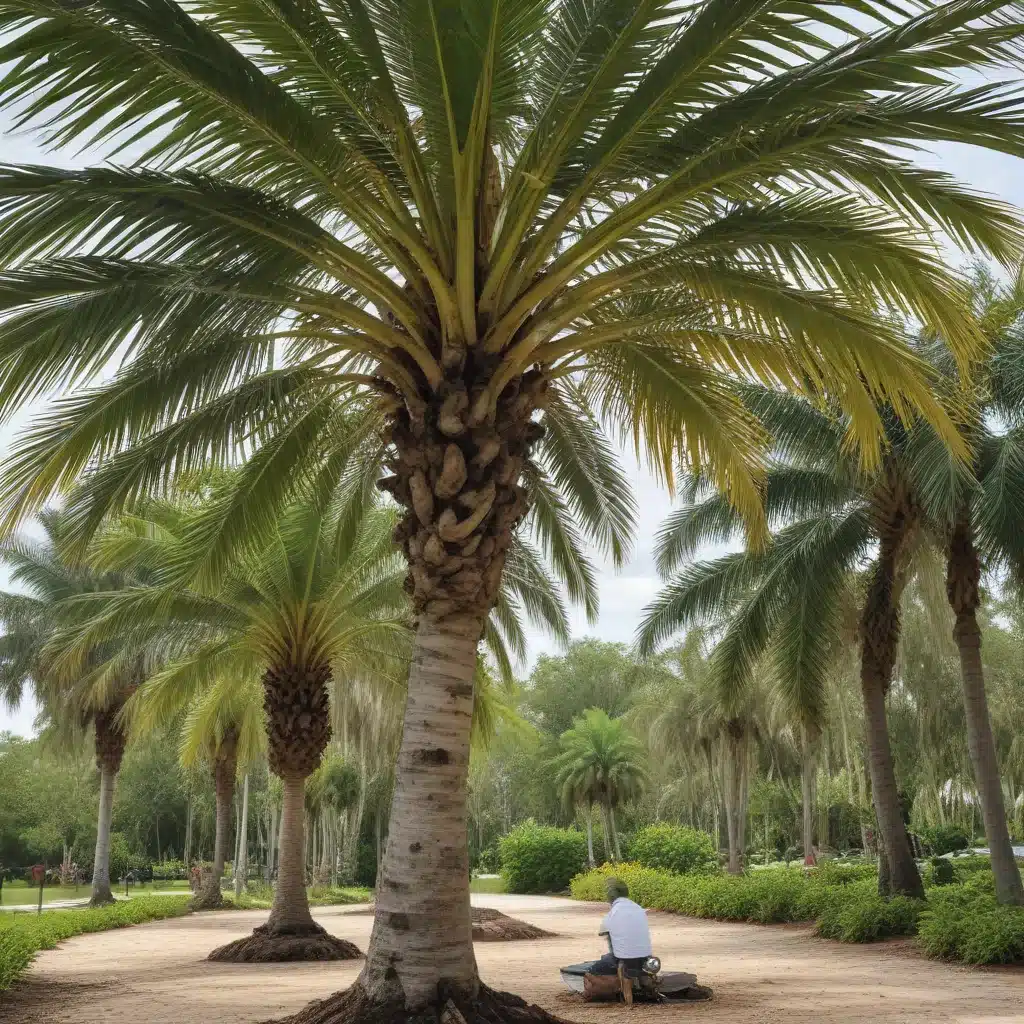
673 848
23 935
858 914
336 896
541 859
946 838
942 871
965 923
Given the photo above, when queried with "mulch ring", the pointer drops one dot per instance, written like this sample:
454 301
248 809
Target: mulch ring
263 947
492 926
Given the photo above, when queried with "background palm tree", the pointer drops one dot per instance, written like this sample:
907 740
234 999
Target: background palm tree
69 704
463 216
601 763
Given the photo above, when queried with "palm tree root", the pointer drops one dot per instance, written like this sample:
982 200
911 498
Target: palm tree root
353 1006
207 899
266 946
493 926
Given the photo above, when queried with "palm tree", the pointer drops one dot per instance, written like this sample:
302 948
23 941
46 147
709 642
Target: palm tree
601 763
786 602
68 705
471 218
975 510
697 723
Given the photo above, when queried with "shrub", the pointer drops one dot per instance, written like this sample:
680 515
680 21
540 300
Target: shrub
942 839
23 935
538 858
489 861
942 872
674 848
859 914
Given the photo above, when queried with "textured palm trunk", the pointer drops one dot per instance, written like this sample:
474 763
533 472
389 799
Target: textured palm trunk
224 764
422 936
962 585
807 787
242 862
290 914
590 834
880 632
110 743
606 835
615 832
734 797
101 862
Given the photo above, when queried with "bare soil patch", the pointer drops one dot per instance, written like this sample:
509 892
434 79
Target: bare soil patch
157 973
490 925
264 947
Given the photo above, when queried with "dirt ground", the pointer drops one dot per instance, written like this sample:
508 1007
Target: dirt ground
155 974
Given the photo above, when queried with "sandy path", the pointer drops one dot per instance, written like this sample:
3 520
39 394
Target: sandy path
156 974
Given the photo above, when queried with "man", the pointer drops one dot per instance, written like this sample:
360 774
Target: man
629 938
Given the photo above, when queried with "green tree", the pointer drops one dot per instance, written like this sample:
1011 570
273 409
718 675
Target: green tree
975 510
600 763
69 704
463 214
786 602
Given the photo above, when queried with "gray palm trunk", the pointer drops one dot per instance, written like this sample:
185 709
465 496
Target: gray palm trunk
589 817
422 934
223 789
615 831
807 787
963 580
241 862
735 796
289 914
101 892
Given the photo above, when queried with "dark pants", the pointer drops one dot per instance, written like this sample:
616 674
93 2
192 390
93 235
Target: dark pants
609 964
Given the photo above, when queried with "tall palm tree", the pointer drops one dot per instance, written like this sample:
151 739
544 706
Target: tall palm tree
601 763
323 600
487 221
975 511
697 723
69 705
786 601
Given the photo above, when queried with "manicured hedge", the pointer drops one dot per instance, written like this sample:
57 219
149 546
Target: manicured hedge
22 935
960 922
538 858
674 848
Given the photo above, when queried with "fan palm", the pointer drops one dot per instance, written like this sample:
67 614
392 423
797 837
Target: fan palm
787 601
465 214
68 705
601 763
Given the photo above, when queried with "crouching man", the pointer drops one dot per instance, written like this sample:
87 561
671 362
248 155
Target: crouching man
625 925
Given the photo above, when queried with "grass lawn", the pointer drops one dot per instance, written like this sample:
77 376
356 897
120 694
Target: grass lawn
19 894
487 884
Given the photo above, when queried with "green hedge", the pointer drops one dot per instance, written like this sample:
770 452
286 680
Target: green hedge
674 848
959 922
22 935
538 858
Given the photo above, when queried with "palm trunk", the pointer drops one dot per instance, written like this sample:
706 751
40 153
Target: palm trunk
590 834
615 832
101 862
422 935
289 914
609 850
224 764
962 582
110 743
807 780
241 864
734 798
896 514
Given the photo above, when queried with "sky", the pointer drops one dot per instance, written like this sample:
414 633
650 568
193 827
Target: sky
624 593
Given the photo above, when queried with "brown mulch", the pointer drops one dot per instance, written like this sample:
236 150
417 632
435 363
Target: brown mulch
493 926
264 947
489 1007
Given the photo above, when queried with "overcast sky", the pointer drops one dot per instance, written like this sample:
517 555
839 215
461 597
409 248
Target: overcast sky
623 594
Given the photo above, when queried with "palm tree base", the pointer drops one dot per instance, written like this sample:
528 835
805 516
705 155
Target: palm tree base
265 946
101 897
354 1006
208 900
493 926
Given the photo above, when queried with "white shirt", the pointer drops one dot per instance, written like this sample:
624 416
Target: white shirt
626 925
